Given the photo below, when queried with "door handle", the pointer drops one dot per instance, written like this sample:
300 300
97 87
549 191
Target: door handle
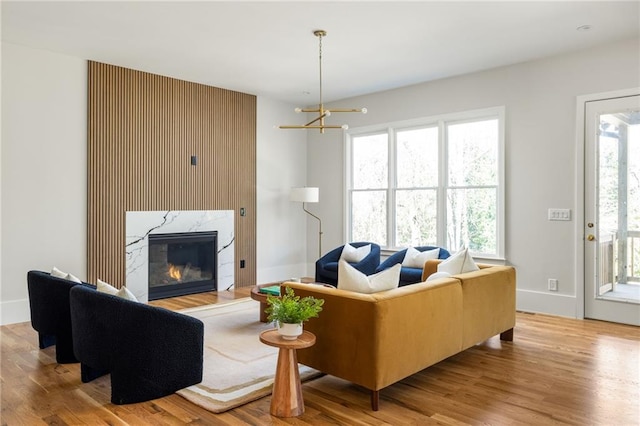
591 237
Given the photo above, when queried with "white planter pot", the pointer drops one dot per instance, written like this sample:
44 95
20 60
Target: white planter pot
289 331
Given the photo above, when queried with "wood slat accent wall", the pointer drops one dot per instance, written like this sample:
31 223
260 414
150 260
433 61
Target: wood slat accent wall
142 131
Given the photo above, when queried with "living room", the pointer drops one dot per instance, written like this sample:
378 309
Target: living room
44 158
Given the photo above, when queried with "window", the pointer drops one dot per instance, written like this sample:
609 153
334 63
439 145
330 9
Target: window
434 181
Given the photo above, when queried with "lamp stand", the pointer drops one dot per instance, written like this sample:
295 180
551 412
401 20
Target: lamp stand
320 229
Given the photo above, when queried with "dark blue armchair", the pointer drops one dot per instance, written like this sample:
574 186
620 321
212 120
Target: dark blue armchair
409 275
50 316
150 352
327 265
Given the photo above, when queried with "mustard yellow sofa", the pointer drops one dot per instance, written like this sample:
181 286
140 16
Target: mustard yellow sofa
375 340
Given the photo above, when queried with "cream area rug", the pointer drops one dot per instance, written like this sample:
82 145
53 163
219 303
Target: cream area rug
238 368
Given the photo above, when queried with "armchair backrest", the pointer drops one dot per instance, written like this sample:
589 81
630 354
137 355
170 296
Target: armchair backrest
398 257
334 255
108 329
49 301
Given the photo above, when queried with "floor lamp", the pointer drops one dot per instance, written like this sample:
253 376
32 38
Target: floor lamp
309 195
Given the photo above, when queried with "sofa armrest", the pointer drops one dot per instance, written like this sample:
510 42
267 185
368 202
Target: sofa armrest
375 340
430 267
489 301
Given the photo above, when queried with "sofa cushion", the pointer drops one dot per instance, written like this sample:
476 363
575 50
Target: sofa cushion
354 255
350 279
414 258
458 263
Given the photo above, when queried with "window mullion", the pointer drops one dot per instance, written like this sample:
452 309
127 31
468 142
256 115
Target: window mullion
391 190
443 171
349 187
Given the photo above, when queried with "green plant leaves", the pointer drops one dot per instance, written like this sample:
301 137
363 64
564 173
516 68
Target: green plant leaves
292 309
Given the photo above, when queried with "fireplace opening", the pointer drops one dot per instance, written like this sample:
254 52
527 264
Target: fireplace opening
182 263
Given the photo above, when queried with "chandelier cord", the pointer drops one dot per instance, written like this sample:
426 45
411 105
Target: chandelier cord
320 60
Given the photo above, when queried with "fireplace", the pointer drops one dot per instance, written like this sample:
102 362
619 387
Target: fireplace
182 263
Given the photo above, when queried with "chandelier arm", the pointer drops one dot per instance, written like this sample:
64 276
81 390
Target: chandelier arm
313 121
310 127
345 110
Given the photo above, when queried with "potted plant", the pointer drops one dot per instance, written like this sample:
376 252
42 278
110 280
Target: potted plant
290 311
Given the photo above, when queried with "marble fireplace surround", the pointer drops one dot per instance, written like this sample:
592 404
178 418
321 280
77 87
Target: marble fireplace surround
140 224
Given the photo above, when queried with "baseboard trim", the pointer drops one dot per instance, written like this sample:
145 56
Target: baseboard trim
14 311
546 303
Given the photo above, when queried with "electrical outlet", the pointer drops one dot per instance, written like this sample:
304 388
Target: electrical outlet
553 284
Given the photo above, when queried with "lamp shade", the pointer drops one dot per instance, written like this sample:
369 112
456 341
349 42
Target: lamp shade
305 195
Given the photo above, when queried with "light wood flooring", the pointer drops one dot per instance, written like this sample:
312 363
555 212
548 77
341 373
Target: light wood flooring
556 371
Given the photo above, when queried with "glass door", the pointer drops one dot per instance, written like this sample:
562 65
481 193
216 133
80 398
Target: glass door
612 210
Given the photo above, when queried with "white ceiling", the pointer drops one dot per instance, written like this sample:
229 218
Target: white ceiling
267 48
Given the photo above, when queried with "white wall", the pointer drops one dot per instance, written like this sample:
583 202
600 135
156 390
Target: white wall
281 224
540 101
44 169
44 134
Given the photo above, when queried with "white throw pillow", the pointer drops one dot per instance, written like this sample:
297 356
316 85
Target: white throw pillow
55 272
73 278
104 287
458 263
126 294
437 275
354 255
349 278
415 258
123 292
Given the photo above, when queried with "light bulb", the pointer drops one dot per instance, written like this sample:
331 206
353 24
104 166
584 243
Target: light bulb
345 126
364 110
298 110
327 113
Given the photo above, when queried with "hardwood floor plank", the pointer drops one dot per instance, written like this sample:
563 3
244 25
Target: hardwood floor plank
556 371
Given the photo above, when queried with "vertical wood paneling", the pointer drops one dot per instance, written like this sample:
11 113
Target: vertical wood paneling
142 130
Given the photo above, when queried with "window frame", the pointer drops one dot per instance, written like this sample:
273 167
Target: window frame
440 122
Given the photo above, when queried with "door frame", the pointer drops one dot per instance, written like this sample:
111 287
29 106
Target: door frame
579 224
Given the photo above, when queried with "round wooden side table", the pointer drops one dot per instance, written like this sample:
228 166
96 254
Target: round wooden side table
286 400
262 298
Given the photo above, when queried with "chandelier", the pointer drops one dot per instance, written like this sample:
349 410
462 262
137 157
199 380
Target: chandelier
318 122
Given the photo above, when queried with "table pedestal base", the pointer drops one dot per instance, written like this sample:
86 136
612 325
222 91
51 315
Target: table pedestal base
287 400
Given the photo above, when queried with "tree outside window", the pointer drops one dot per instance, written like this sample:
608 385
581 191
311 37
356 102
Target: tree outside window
429 182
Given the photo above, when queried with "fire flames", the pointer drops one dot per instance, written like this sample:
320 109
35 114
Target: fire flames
174 272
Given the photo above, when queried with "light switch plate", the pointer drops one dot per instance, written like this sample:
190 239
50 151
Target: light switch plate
559 214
